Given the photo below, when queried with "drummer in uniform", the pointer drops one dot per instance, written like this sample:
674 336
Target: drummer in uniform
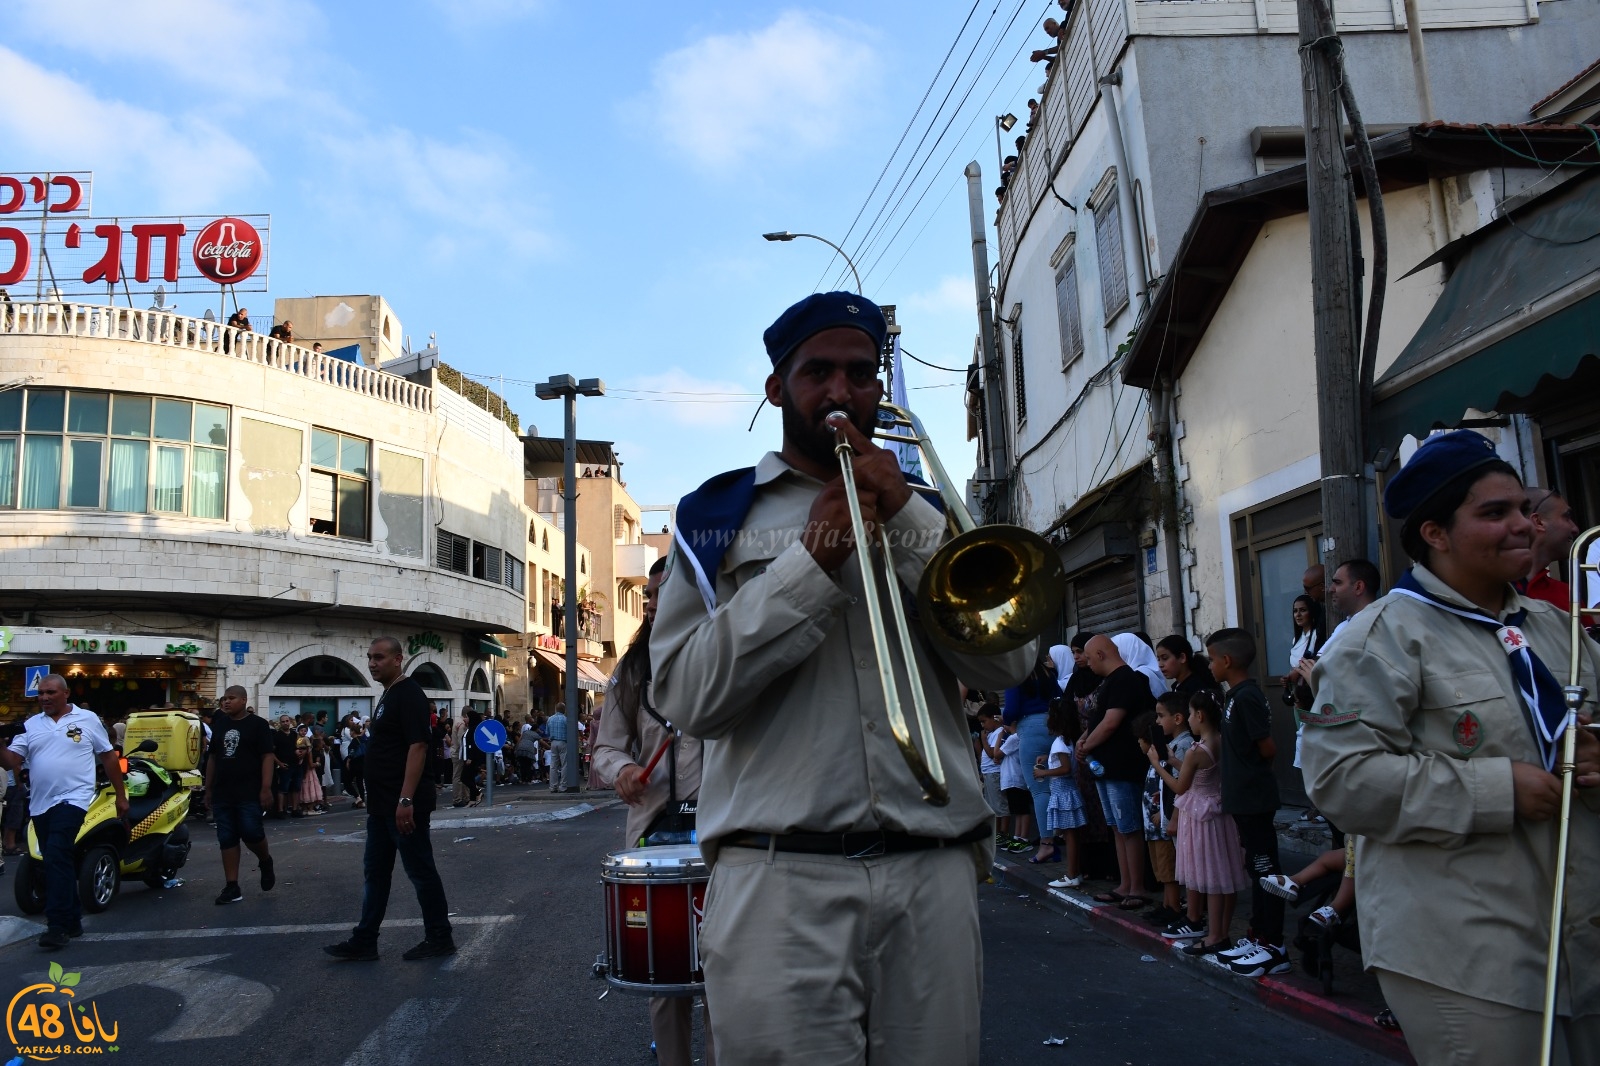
660 809
1434 738
841 917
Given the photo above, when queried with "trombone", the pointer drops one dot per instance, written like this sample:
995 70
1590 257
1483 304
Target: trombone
988 590
1575 694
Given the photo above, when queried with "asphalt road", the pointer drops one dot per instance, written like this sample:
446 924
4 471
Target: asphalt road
186 981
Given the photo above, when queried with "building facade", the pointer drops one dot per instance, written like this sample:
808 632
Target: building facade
1147 106
184 507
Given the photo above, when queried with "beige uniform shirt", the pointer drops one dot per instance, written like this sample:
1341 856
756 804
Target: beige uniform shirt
782 682
623 739
1409 746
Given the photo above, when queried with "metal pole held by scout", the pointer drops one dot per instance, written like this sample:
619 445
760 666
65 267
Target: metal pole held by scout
1575 694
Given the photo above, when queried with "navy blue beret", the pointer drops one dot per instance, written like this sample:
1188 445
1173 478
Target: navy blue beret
820 311
1439 461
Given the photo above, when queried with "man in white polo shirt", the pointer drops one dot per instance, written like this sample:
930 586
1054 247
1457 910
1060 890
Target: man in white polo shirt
59 746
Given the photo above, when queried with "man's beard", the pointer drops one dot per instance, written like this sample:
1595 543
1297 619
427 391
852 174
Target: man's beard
813 437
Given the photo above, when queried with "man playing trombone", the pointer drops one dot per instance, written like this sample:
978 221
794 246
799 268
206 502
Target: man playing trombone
841 920
1435 737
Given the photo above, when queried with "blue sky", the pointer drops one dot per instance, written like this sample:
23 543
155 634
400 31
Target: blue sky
552 187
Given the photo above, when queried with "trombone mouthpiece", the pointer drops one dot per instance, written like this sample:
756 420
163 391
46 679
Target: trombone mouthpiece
837 419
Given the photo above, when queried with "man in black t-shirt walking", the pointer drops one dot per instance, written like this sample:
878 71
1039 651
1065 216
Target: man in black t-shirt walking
400 799
239 770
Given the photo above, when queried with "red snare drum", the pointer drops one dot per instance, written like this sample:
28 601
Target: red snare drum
655 899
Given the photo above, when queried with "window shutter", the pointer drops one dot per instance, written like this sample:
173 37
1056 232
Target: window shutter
1108 243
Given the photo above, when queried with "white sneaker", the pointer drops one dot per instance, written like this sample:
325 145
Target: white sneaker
1264 960
1066 882
1244 947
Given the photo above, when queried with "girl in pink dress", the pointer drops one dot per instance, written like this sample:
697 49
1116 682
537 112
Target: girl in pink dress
1210 860
311 760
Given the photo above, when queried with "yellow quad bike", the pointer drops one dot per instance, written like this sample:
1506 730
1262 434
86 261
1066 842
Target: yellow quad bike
153 843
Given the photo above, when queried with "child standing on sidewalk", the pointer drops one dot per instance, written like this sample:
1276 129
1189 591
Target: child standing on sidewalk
1208 862
1250 795
1065 813
1014 787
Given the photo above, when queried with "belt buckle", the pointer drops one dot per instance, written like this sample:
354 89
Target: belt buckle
872 844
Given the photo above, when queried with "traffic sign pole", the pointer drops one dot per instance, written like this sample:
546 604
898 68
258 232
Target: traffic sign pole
489 737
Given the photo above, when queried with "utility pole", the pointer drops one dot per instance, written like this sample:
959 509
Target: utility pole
567 389
1335 315
993 378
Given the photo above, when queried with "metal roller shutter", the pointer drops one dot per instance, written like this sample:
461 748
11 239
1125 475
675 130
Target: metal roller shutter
1107 600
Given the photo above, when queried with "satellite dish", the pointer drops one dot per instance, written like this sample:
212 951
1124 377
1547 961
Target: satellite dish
161 296
209 317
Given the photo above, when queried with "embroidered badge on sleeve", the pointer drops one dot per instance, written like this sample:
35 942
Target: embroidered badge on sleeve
1328 714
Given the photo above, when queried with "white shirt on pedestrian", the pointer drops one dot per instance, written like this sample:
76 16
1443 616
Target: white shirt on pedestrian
986 764
61 756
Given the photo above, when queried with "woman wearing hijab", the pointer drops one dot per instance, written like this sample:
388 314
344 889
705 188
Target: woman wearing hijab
1137 654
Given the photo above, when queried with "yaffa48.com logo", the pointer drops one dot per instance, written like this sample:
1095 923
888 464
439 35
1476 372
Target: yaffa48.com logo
45 1021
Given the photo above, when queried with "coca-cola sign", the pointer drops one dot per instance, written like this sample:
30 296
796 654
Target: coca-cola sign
227 250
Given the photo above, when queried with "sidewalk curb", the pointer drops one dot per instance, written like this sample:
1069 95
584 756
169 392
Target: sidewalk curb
1270 992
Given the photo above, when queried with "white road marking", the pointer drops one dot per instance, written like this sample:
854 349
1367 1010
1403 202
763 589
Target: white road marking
230 1003
13 929
399 1040
480 820
477 946
277 930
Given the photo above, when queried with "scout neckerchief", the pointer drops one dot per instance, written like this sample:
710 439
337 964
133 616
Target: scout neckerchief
1543 701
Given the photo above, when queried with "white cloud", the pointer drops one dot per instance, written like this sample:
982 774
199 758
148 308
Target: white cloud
183 162
235 50
472 187
953 294
783 91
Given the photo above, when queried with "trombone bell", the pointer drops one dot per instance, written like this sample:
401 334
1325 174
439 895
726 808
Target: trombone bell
991 590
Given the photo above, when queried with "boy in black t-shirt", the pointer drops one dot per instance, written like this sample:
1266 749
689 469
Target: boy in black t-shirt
239 770
1123 695
1250 795
400 798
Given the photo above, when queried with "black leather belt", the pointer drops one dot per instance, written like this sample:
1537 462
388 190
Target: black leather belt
868 844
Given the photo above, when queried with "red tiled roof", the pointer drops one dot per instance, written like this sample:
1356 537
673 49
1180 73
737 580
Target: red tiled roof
1575 79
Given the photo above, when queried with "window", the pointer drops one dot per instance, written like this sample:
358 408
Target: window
453 552
323 671
112 451
340 490
430 676
1019 385
516 576
486 563
1067 313
1108 245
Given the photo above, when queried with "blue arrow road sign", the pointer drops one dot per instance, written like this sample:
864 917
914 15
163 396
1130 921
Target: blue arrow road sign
31 676
490 736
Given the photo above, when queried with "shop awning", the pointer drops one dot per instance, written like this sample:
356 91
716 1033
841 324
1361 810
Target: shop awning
490 646
1522 305
590 678
552 658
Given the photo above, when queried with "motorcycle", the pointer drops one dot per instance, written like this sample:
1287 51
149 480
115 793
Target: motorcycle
152 844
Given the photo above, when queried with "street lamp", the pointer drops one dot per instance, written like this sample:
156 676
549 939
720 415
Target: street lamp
567 388
1002 122
785 235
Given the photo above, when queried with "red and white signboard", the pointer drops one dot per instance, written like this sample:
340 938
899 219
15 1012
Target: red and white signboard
50 244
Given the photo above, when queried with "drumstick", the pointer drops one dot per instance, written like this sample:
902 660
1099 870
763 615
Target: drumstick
665 744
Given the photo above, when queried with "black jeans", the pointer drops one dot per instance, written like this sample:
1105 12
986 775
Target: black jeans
384 841
1260 842
57 830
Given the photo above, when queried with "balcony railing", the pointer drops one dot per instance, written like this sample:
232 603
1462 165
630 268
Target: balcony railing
55 319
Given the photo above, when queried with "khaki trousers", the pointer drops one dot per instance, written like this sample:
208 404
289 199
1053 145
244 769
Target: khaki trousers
829 961
672 1026
1445 1028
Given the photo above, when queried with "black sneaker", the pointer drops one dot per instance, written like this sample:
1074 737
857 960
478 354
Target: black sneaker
230 894
268 878
76 931
1184 930
430 949
53 940
353 951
